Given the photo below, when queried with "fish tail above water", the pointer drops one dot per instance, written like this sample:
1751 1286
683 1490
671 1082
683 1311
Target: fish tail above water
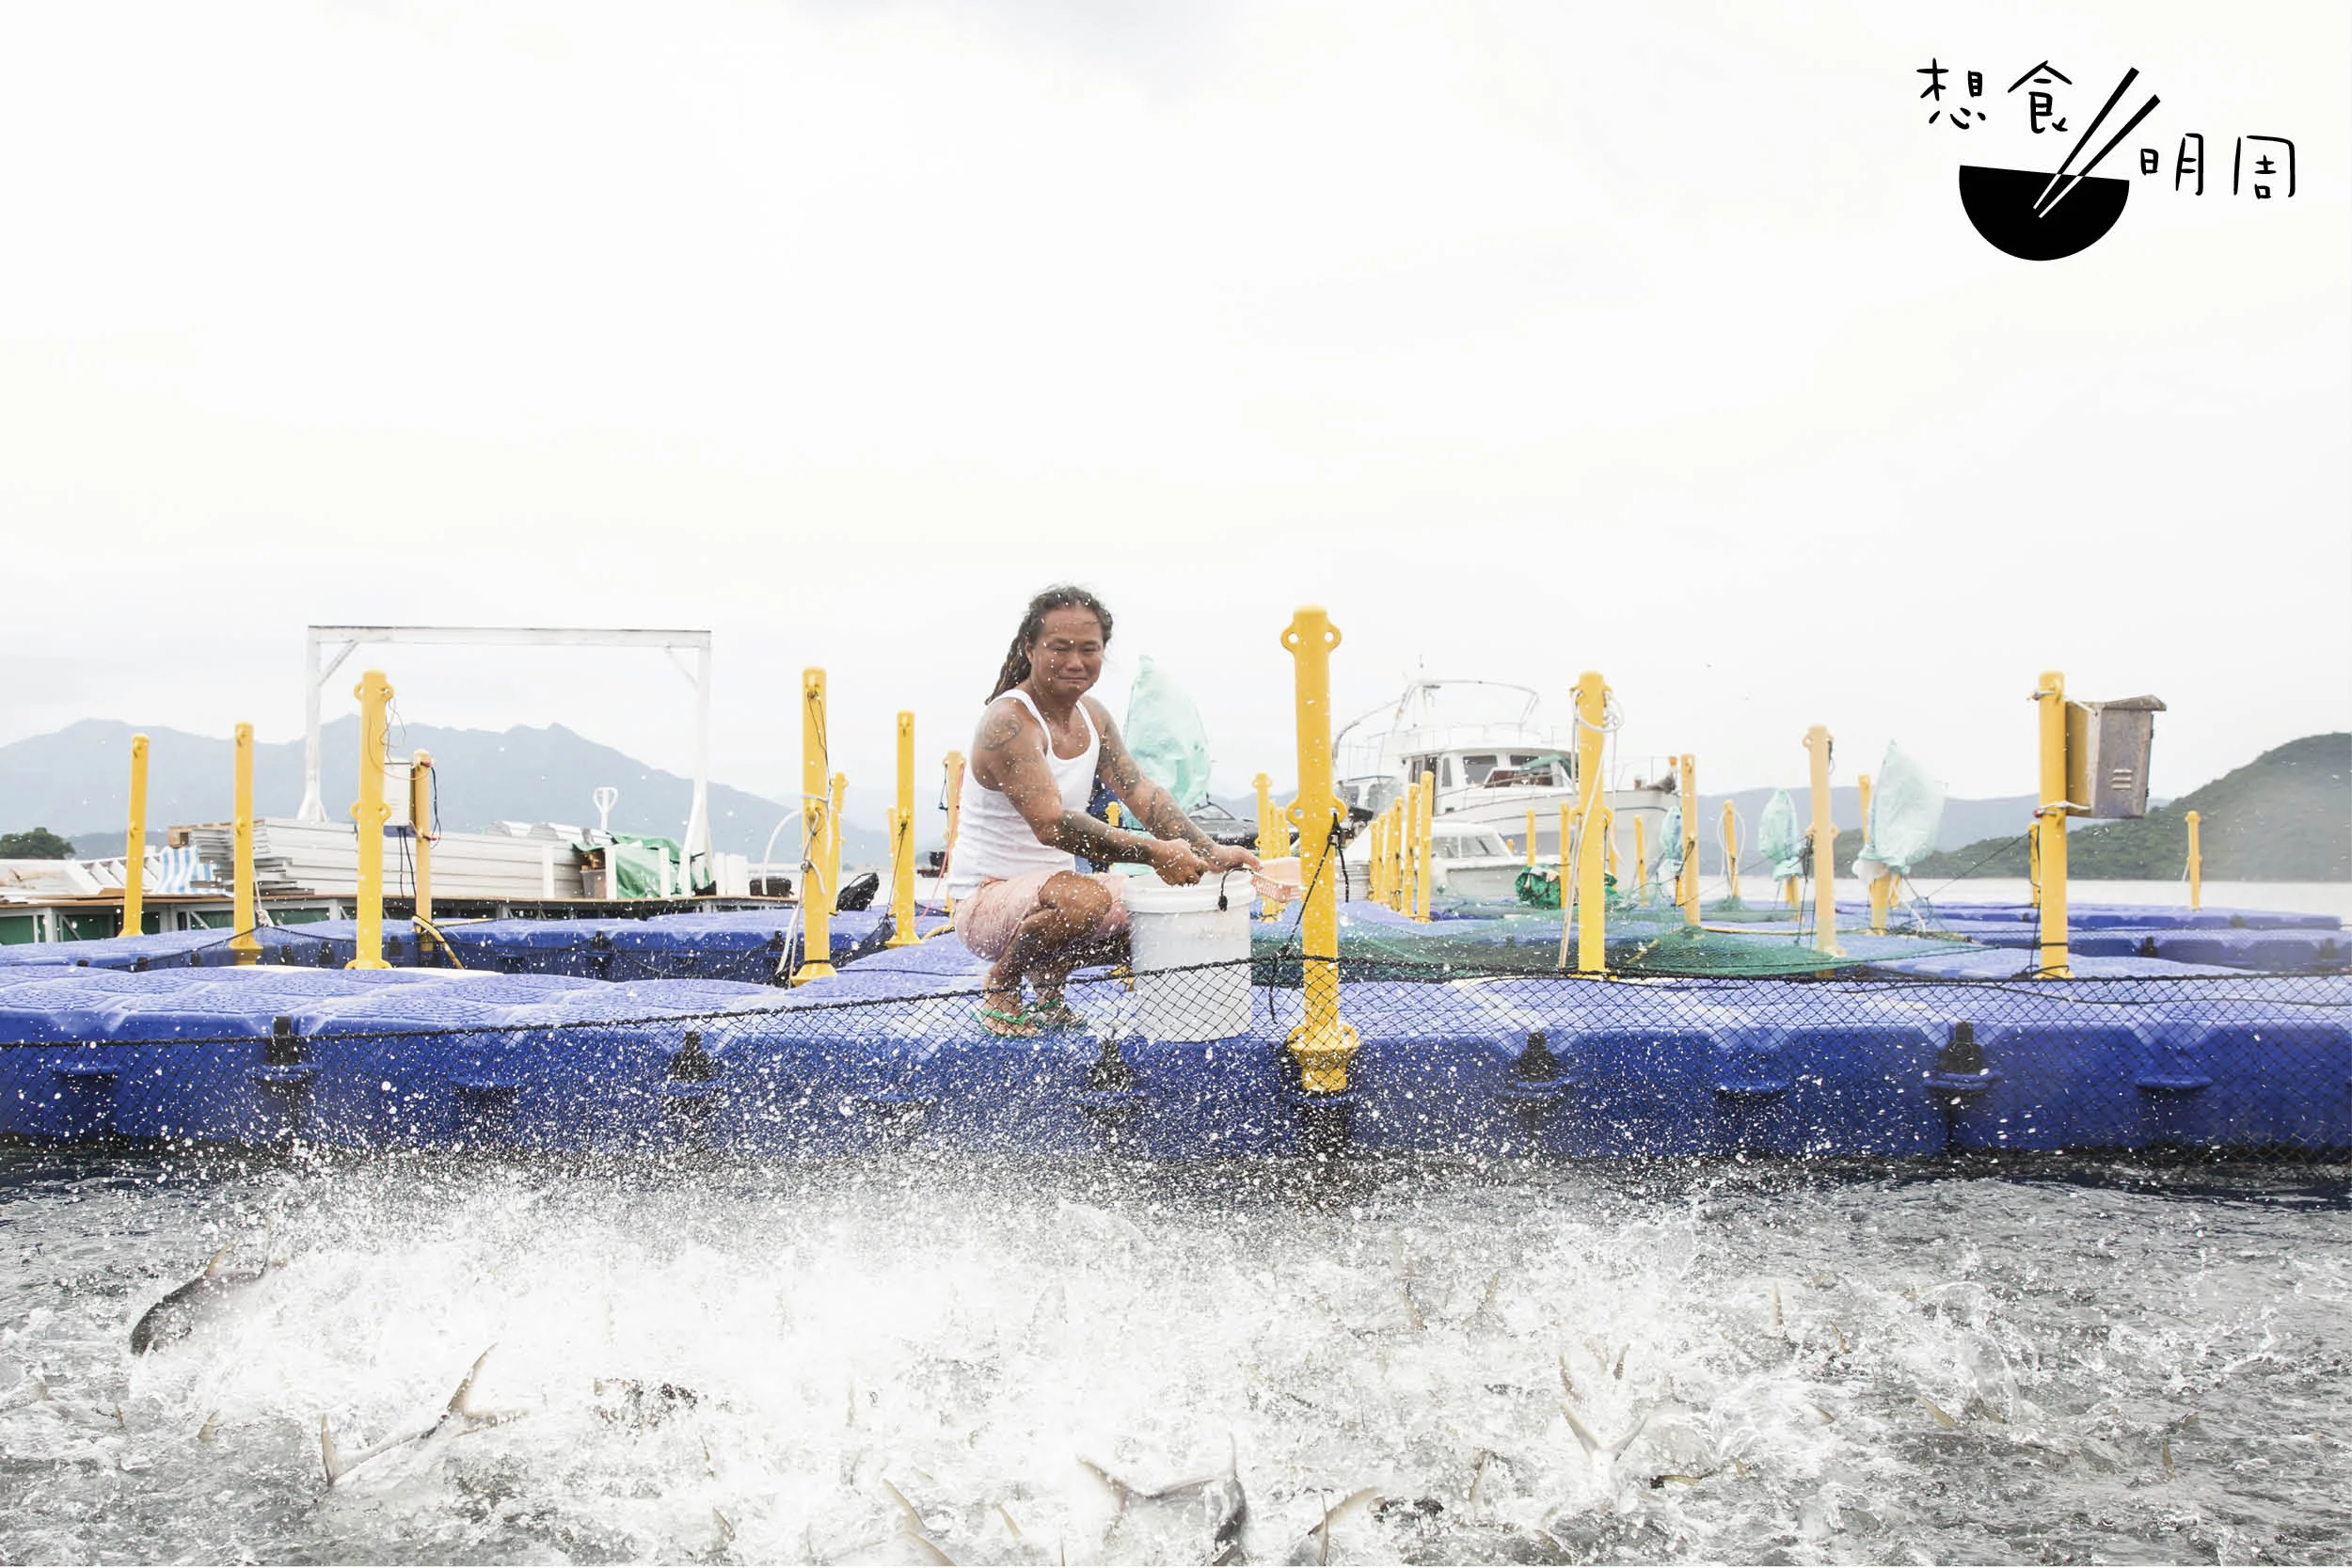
460 1411
1594 1448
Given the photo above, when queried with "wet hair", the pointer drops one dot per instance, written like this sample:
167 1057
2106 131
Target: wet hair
1060 596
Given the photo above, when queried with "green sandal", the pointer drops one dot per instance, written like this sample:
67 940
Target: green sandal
1019 1025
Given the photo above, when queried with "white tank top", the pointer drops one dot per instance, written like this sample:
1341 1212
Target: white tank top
993 840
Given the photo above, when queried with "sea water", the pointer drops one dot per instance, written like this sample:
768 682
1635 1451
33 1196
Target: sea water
1953 895
1781 1362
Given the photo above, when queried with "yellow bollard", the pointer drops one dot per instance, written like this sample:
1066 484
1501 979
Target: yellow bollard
1610 844
420 834
1690 898
1568 878
1424 845
2050 825
1400 859
817 887
1274 836
1530 838
903 841
1731 851
244 947
2196 864
135 844
834 818
367 816
1881 885
1408 896
954 764
1817 741
1591 707
1375 859
1323 1043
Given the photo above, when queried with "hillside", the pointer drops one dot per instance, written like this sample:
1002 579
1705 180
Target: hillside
76 781
2286 817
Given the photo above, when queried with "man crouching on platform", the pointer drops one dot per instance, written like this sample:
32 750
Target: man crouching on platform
1042 746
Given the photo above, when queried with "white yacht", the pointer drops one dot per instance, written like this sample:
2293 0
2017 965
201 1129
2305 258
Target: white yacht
1494 760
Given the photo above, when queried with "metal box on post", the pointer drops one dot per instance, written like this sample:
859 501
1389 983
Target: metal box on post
2106 756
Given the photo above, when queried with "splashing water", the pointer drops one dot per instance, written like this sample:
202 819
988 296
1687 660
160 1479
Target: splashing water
1519 1362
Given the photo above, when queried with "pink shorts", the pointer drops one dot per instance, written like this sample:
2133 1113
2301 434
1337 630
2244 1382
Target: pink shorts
988 917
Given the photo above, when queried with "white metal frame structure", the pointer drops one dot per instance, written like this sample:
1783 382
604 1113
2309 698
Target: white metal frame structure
318 667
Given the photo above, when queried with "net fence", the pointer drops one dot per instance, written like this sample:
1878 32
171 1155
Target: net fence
1442 1054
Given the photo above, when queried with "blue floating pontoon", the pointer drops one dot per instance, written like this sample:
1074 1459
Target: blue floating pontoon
757 947
2132 1053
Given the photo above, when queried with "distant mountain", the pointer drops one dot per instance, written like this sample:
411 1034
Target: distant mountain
76 781
2286 817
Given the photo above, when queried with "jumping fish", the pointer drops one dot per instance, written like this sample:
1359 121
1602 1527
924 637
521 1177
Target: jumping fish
914 1529
1222 1505
1594 1448
458 1418
1314 1547
177 1315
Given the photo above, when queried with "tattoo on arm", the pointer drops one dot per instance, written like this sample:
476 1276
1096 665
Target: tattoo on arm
1013 752
1154 806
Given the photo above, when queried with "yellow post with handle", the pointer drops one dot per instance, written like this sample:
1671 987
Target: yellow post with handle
817 887
2050 824
244 947
1592 711
1530 838
135 844
1731 851
1817 742
1324 1043
421 835
954 764
902 932
2196 863
1424 845
1690 898
367 816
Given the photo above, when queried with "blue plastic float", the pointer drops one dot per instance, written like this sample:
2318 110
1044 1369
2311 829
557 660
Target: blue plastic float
751 945
885 1054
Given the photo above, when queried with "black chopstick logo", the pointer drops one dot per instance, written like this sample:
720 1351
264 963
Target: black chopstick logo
2063 182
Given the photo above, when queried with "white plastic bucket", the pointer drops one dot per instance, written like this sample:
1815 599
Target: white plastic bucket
1182 929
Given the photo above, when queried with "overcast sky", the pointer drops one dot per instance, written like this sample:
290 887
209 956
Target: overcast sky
1531 339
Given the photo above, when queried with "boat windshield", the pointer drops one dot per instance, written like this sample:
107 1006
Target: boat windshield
1544 768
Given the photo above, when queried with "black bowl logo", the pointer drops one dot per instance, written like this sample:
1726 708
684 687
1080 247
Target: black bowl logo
2001 203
